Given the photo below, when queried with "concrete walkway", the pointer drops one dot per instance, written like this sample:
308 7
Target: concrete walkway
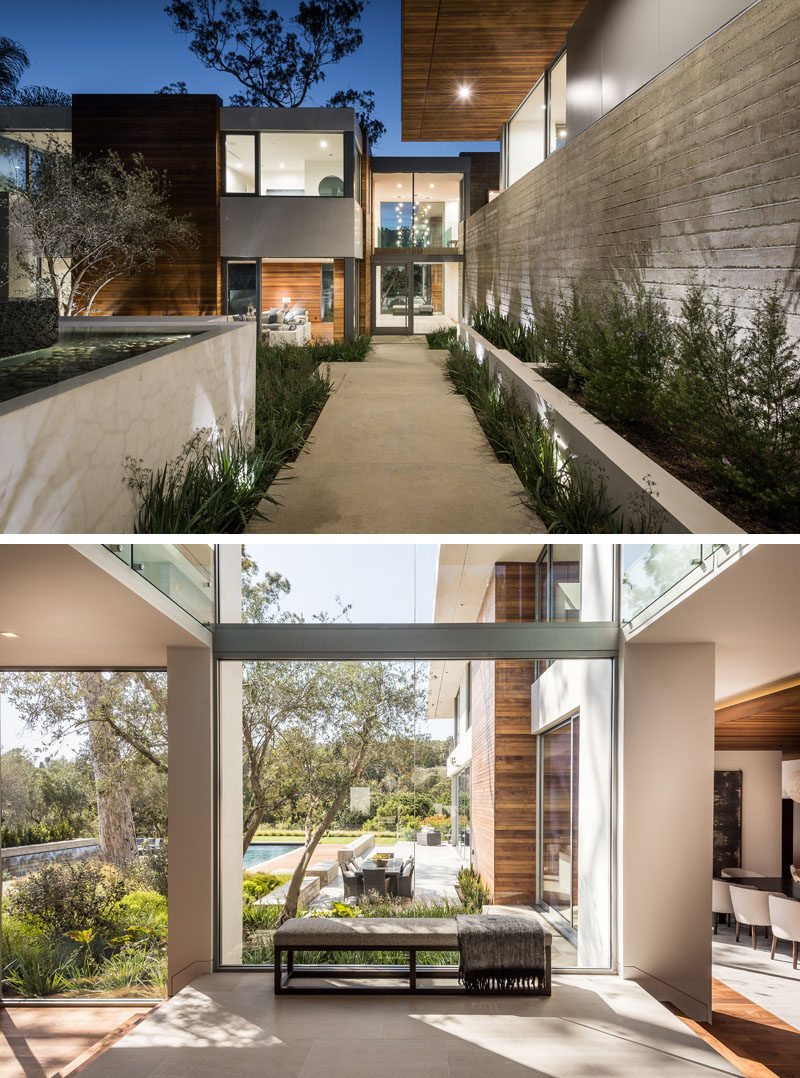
395 450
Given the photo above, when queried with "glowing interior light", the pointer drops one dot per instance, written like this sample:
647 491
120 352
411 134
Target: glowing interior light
464 91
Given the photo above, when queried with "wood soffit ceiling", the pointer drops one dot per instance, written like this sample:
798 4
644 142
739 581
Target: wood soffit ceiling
497 47
768 722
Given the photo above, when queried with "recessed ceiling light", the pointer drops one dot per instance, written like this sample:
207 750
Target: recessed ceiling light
10 635
464 91
281 165
399 185
324 144
433 185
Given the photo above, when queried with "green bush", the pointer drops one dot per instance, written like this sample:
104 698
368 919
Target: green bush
151 871
504 333
34 967
474 890
145 911
135 967
736 394
212 485
566 496
258 884
66 896
441 338
36 834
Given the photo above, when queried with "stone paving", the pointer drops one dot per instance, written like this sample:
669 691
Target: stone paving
396 450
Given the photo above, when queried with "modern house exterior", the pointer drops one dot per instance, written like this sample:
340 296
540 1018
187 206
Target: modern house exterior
602 686
648 140
291 208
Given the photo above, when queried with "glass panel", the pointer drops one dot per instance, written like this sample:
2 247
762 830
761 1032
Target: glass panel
565 583
242 288
437 210
357 178
121 551
13 164
392 194
184 573
557 820
463 792
558 105
326 292
302 163
655 574
391 291
435 295
84 836
240 164
526 134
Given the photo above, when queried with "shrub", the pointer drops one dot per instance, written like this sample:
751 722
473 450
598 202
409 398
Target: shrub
474 890
151 869
212 485
142 910
33 967
566 497
504 333
290 393
441 338
134 967
68 896
36 834
258 884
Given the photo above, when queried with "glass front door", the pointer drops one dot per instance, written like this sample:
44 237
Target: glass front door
242 290
392 298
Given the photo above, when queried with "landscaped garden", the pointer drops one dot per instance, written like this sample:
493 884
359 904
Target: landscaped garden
712 397
216 483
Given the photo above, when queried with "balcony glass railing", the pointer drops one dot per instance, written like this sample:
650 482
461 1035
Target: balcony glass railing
184 572
654 575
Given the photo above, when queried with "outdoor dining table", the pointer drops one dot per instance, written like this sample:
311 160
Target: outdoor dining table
393 866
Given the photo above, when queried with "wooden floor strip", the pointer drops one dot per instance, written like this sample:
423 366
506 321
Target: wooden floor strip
87 1057
753 1039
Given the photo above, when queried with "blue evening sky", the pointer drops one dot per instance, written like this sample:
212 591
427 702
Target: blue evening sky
128 46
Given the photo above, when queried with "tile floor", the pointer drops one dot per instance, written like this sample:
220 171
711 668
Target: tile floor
231 1024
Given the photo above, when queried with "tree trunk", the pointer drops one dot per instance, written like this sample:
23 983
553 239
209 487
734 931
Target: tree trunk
256 816
114 816
293 894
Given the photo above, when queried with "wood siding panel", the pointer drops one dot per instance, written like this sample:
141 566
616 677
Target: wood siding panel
177 134
302 281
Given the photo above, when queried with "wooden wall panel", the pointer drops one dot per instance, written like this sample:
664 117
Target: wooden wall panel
177 134
437 287
302 282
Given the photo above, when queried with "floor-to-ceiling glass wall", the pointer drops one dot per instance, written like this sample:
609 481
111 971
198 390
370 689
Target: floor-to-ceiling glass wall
462 815
559 819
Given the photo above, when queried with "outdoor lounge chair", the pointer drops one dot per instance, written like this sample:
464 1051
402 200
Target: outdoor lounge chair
351 882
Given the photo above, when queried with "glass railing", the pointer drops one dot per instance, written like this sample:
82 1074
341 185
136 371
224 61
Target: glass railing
654 575
184 572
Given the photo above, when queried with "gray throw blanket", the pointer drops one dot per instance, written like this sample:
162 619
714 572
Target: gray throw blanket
500 953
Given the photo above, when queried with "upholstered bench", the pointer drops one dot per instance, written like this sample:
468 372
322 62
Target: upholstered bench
411 934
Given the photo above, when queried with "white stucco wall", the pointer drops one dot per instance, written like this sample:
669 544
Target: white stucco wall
586 686
63 448
761 807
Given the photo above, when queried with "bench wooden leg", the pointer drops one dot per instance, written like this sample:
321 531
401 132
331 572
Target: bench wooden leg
278 972
412 970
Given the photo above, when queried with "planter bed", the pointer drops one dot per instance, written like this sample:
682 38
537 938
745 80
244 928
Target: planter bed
628 472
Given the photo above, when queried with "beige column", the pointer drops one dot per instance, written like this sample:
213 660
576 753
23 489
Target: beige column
666 787
191 825
229 684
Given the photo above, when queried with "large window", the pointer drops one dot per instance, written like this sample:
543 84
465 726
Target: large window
539 126
287 163
417 210
559 761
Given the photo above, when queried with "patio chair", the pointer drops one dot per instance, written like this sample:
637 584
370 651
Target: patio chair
785 916
751 907
740 874
351 883
405 881
720 901
374 881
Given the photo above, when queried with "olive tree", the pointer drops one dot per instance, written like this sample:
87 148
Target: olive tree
82 222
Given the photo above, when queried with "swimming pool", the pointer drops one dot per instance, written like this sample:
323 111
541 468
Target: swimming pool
267 851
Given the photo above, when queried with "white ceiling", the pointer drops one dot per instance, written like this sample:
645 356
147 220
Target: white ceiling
750 611
83 608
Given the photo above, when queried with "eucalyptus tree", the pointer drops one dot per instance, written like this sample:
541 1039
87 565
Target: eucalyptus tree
13 61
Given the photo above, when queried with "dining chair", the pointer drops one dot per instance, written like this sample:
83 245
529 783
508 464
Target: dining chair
720 901
785 916
405 882
751 907
374 880
740 874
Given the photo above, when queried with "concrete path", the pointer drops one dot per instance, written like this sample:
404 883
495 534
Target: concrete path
395 450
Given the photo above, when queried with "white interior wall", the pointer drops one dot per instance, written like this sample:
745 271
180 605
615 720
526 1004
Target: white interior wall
598 570
665 820
761 807
586 686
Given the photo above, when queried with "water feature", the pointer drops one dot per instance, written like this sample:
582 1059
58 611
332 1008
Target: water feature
267 851
74 354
